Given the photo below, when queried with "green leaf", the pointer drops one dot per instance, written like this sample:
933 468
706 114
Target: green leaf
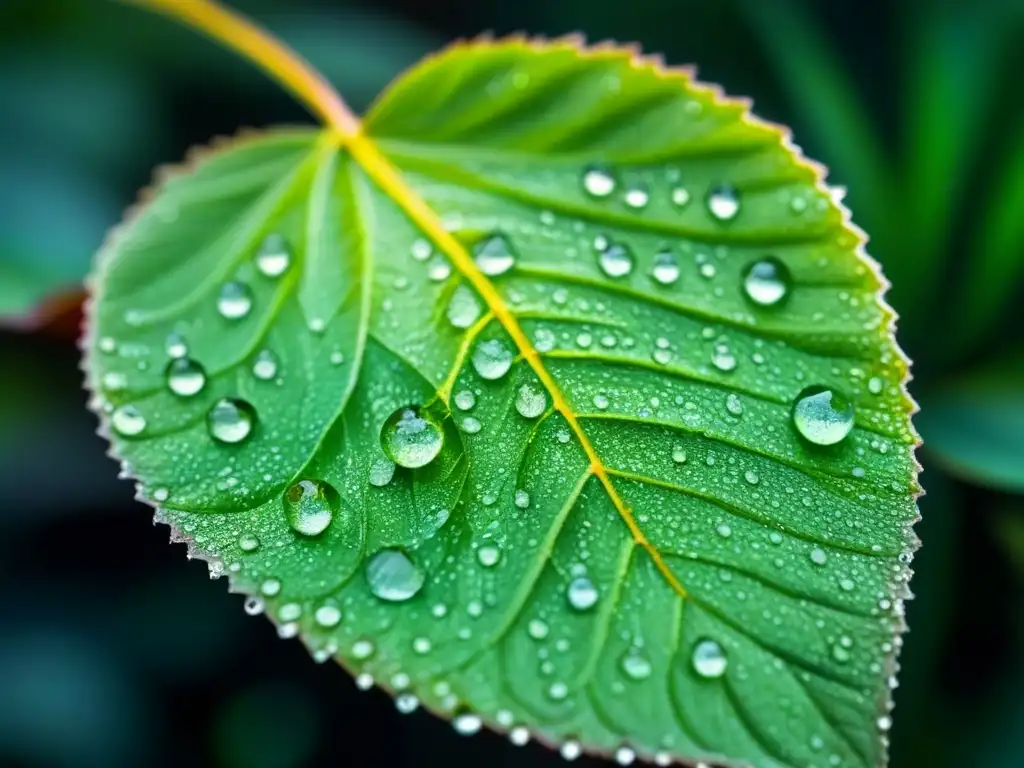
607 532
974 425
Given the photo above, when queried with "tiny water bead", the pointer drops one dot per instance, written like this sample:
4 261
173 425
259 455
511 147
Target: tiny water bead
709 659
410 438
471 425
465 400
723 203
327 616
128 421
185 377
636 197
463 307
310 506
680 196
582 594
767 282
635 665
531 401
488 555
494 255
822 415
264 367
492 359
598 182
666 268
616 260
467 724
247 542
175 345
381 472
230 420
392 576
273 257
522 499
234 300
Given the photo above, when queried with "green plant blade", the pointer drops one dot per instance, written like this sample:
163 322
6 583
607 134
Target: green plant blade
974 426
528 282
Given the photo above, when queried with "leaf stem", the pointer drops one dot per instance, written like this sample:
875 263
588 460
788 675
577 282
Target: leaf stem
234 31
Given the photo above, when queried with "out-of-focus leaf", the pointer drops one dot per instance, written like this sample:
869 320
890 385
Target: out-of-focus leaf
271 725
997 265
974 425
570 294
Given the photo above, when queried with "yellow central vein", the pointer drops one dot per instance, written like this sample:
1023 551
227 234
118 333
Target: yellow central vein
289 69
394 185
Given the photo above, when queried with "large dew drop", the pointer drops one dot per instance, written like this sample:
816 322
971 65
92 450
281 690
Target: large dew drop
392 576
273 257
822 416
494 255
767 282
234 300
230 420
410 438
582 594
666 268
128 421
185 377
723 203
615 260
709 659
492 359
597 182
310 506
531 401
463 308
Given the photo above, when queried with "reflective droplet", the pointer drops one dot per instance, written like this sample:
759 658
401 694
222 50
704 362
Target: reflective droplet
494 255
392 576
723 203
582 594
114 381
531 401
519 736
273 257
264 367
471 426
230 420
666 268
247 542
410 438
128 421
488 555
734 405
270 587
723 360
625 756
522 499
680 196
597 182
310 506
463 307
327 616
234 300
537 629
822 416
767 282
875 385
615 261
570 750
465 399
492 359
558 691
185 377
362 650
253 605
818 556
175 345
381 472
421 250
636 197
635 665
679 455
439 269
709 660
467 724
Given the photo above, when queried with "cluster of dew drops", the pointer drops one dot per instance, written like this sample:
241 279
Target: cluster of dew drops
412 436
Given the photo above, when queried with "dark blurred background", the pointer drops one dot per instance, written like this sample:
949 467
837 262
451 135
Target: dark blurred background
116 652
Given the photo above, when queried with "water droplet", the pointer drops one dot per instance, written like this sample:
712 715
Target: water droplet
161 494
410 439
875 385
109 345
492 359
598 182
751 477
558 691
582 594
709 659
439 269
463 307
679 455
537 629
615 261
253 605
666 268
421 249
488 555
467 724
289 612
234 300
185 377
310 506
175 345
230 420
600 401
723 359
471 426
818 556
128 421
734 405
636 197
273 257
531 401
247 542
264 367
680 196
522 499
823 416
635 665
327 616
884 723
519 736
724 530
494 255
381 472
270 587
723 203
114 381
392 576
422 645
362 650
625 756
570 750
406 703
767 282
465 399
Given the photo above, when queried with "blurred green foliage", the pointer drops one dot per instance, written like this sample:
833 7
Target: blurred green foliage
128 659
